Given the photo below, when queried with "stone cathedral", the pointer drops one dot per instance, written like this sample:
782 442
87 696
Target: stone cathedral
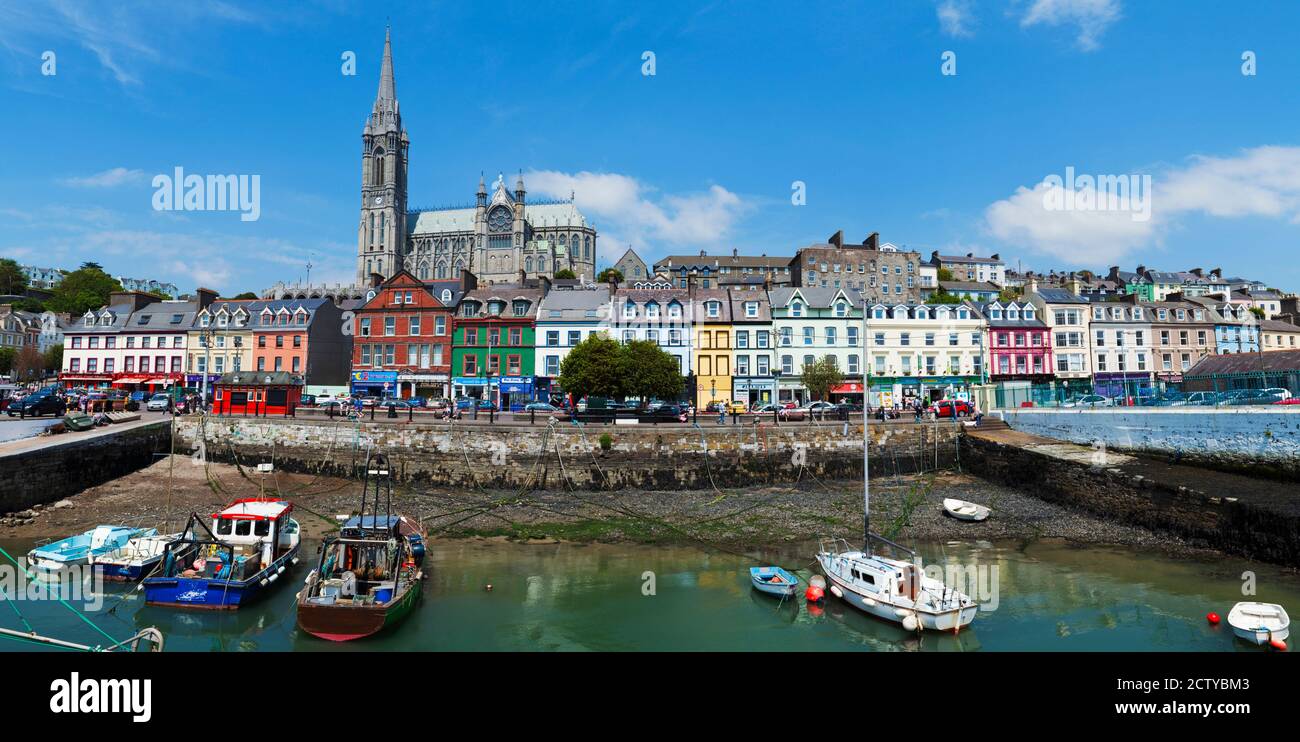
501 235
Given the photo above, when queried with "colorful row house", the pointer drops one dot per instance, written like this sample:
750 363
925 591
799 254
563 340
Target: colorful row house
403 338
494 346
923 352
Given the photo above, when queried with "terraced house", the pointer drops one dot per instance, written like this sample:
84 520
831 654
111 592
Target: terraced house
713 353
753 377
1236 328
566 317
1182 333
220 341
923 352
812 322
403 337
660 313
1020 343
1066 315
493 347
1121 350
303 337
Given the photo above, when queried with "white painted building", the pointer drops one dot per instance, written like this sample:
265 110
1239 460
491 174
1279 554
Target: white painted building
924 351
810 322
565 318
655 311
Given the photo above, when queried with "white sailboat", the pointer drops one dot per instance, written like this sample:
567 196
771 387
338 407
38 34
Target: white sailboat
1259 623
892 589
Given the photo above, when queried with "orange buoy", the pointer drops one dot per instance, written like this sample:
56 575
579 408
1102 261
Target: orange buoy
815 610
814 594
1278 644
1213 618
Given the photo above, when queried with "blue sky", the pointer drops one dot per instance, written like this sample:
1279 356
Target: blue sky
747 98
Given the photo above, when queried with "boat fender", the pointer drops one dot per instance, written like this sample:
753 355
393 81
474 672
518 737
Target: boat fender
836 591
1278 644
280 571
909 623
813 594
902 612
273 577
1213 618
868 602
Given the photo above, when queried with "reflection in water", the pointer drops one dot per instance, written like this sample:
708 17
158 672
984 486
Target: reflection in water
1051 596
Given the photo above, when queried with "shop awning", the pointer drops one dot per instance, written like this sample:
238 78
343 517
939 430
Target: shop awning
850 388
75 377
131 380
159 381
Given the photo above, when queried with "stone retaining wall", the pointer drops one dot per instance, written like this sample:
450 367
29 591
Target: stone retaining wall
566 456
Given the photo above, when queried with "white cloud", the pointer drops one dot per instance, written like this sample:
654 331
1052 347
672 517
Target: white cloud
628 212
1089 17
955 18
107 179
1260 182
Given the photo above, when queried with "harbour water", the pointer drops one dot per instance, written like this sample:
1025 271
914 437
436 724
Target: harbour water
1051 596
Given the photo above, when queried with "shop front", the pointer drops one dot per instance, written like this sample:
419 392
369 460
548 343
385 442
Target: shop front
753 390
381 384
257 393
791 390
905 391
513 392
431 386
848 391
472 387
88 381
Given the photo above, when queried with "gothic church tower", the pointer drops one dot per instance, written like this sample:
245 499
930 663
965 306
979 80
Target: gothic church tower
381 236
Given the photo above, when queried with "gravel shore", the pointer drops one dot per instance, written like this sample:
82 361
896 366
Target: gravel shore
905 508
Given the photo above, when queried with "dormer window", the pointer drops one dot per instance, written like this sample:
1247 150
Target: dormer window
1137 312
841 309
751 309
1028 313
713 308
521 308
652 310
995 313
629 310
796 309
88 320
878 313
922 313
674 311
469 309
900 312
204 320
963 314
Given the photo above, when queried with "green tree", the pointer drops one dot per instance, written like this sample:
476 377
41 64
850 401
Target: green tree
591 368
86 288
820 377
945 274
565 273
608 273
7 357
54 357
1009 294
1257 311
648 372
245 295
943 297
12 278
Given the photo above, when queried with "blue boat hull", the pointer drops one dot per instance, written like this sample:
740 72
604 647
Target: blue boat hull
787 587
127 572
205 593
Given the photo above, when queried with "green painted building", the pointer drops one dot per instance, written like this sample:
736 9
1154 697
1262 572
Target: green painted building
493 339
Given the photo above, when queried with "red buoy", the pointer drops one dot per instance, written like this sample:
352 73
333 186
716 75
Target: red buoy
814 594
1278 644
1213 618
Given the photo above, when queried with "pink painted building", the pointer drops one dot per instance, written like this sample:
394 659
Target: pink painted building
1019 343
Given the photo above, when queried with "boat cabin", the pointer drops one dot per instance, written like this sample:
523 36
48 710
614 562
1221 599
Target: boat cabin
256 532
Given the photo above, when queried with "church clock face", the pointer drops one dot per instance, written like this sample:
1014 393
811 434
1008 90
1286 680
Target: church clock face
379 200
500 220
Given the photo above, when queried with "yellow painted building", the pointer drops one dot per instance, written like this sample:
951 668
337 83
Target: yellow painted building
228 323
713 338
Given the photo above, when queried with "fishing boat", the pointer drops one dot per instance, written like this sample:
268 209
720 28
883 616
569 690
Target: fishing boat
80 549
773 581
962 510
78 421
135 559
248 547
892 589
369 576
1259 623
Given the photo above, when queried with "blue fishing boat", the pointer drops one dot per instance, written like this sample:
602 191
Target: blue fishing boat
135 559
248 547
773 580
80 549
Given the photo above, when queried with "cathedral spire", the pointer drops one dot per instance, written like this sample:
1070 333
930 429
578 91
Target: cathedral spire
387 87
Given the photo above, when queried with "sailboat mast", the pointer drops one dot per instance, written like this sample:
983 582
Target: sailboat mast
866 418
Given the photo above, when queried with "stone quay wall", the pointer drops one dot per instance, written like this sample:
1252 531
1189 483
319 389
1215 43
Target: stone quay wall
68 464
1262 440
565 456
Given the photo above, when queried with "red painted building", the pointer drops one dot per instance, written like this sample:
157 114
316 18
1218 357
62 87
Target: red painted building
265 394
402 338
1019 343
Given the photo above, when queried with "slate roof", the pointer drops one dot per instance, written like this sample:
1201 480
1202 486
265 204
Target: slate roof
1240 363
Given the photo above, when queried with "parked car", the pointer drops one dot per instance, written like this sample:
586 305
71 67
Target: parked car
36 404
955 408
307 400
1201 398
792 413
546 407
1288 401
768 408
1090 400
159 403
665 413
1277 393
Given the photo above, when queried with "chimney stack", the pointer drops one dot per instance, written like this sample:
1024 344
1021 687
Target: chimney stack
205 296
837 239
872 242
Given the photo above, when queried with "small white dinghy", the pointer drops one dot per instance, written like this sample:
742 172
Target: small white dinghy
962 510
1259 623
